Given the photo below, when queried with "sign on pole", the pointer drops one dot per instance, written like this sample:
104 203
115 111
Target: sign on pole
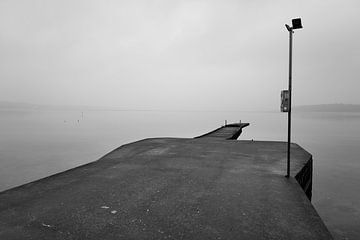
284 101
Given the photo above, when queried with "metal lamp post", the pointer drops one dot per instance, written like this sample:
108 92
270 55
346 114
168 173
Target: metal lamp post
296 24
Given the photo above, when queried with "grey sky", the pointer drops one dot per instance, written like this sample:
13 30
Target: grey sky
211 55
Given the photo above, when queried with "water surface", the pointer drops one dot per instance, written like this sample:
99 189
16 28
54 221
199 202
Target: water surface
38 143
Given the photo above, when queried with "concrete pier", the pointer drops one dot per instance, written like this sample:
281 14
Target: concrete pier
227 132
171 188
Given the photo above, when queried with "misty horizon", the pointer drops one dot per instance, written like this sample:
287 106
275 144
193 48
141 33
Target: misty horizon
80 78
311 107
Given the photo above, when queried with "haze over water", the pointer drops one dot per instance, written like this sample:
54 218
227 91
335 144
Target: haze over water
180 55
38 143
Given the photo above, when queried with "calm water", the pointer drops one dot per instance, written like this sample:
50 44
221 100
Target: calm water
38 143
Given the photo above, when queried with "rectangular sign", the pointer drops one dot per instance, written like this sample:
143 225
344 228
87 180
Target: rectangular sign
284 101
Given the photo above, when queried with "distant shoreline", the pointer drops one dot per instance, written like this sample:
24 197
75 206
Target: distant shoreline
338 107
7 105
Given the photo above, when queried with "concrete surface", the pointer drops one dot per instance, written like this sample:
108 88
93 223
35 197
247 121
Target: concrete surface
169 188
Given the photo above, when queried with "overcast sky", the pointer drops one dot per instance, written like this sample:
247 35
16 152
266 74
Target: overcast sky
182 55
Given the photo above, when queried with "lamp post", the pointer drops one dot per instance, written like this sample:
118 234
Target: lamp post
296 24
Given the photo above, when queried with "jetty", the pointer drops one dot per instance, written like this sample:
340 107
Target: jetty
207 187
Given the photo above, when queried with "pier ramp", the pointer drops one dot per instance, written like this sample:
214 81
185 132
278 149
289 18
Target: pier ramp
226 132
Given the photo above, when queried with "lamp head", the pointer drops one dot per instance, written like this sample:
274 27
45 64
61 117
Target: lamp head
296 23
